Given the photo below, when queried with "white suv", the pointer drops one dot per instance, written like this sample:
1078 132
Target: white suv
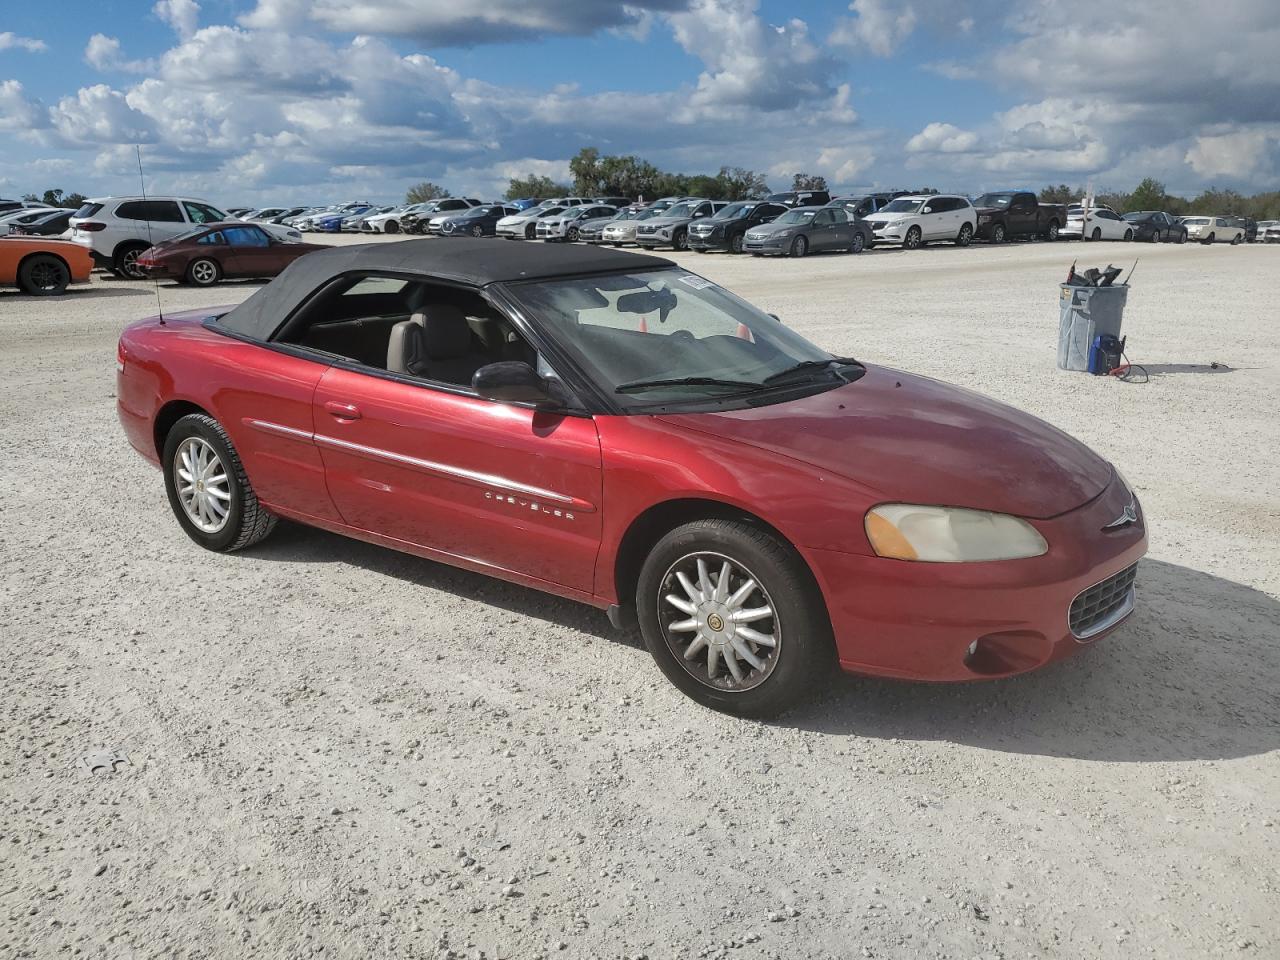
117 229
914 221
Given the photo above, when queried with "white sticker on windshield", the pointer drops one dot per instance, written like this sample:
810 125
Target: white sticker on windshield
698 283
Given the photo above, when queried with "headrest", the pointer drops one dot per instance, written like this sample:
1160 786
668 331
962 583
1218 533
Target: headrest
446 334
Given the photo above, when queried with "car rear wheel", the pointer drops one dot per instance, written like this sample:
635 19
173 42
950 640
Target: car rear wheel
997 233
1051 232
44 275
736 243
965 236
203 272
859 242
733 618
477 231
912 240
125 262
208 490
799 247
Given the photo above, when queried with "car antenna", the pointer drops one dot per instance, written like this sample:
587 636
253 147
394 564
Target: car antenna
142 182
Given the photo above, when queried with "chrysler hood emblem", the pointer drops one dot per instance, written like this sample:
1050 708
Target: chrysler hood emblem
1128 516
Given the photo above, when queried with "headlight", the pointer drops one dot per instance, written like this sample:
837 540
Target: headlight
904 531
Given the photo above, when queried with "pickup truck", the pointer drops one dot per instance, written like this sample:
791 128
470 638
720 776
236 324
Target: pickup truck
1013 213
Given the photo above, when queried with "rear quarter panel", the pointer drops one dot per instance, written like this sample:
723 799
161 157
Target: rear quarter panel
13 250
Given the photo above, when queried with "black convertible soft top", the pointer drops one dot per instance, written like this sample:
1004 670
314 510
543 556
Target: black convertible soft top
475 262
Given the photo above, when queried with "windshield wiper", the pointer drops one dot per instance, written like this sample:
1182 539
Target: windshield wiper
805 365
634 385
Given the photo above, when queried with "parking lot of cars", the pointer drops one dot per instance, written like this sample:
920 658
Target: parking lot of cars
508 772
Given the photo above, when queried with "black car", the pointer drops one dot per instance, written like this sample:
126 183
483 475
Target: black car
1155 226
859 205
725 230
54 222
477 222
1248 225
801 198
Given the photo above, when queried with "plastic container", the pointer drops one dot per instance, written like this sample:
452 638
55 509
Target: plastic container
1087 312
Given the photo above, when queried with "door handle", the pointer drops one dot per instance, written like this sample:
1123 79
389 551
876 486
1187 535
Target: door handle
342 411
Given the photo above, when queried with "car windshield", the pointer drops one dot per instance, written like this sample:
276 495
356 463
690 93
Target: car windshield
902 205
667 337
735 210
994 200
477 212
799 215
549 212
682 209
1137 215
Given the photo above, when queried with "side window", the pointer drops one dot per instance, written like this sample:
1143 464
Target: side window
703 210
164 211
203 213
1024 200
133 210
212 239
246 237
839 216
824 218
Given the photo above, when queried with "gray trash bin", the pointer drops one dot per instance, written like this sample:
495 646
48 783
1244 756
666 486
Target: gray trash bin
1087 312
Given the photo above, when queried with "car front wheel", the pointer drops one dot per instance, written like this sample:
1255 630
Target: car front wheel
997 233
859 242
1052 232
680 241
912 240
736 243
733 618
799 247
208 490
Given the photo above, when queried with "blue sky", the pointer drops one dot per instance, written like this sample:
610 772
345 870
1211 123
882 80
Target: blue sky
242 101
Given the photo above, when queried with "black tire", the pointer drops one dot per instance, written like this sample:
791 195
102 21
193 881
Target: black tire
572 235
203 272
1128 236
530 232
477 231
859 242
799 247
1182 237
124 261
1208 240
997 233
736 242
804 654
44 275
1237 240
913 240
680 240
699 249
618 245
1096 235
247 521
1051 231
391 227
965 236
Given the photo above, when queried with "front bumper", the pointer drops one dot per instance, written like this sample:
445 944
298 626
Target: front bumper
921 621
889 232
653 240
710 242
769 247
515 232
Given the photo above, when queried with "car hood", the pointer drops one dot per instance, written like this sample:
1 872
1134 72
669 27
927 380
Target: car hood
666 221
917 440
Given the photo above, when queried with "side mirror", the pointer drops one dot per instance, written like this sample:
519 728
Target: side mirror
513 381
927 210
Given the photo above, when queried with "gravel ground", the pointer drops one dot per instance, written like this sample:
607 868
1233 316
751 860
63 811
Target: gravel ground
336 750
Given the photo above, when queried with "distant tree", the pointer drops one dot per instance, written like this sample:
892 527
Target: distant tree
740 184
1227 203
422 192
1059 194
805 181
56 198
1150 194
585 167
701 185
534 186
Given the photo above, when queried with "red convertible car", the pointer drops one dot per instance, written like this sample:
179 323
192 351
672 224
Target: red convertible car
614 429
220 251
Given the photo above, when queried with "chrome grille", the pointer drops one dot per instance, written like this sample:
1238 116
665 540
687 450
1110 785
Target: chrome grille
1103 605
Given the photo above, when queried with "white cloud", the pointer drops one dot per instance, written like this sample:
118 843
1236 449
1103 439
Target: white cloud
879 26
942 138
101 115
104 53
181 15
1241 154
443 23
11 41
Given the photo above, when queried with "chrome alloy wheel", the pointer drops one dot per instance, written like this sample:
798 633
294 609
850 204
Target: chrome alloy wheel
204 272
202 485
719 622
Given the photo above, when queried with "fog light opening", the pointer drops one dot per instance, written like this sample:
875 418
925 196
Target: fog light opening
1002 654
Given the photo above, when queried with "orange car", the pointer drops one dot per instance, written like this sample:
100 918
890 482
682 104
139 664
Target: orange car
43 266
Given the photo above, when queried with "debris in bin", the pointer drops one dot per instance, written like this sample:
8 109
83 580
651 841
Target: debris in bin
102 761
1093 277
